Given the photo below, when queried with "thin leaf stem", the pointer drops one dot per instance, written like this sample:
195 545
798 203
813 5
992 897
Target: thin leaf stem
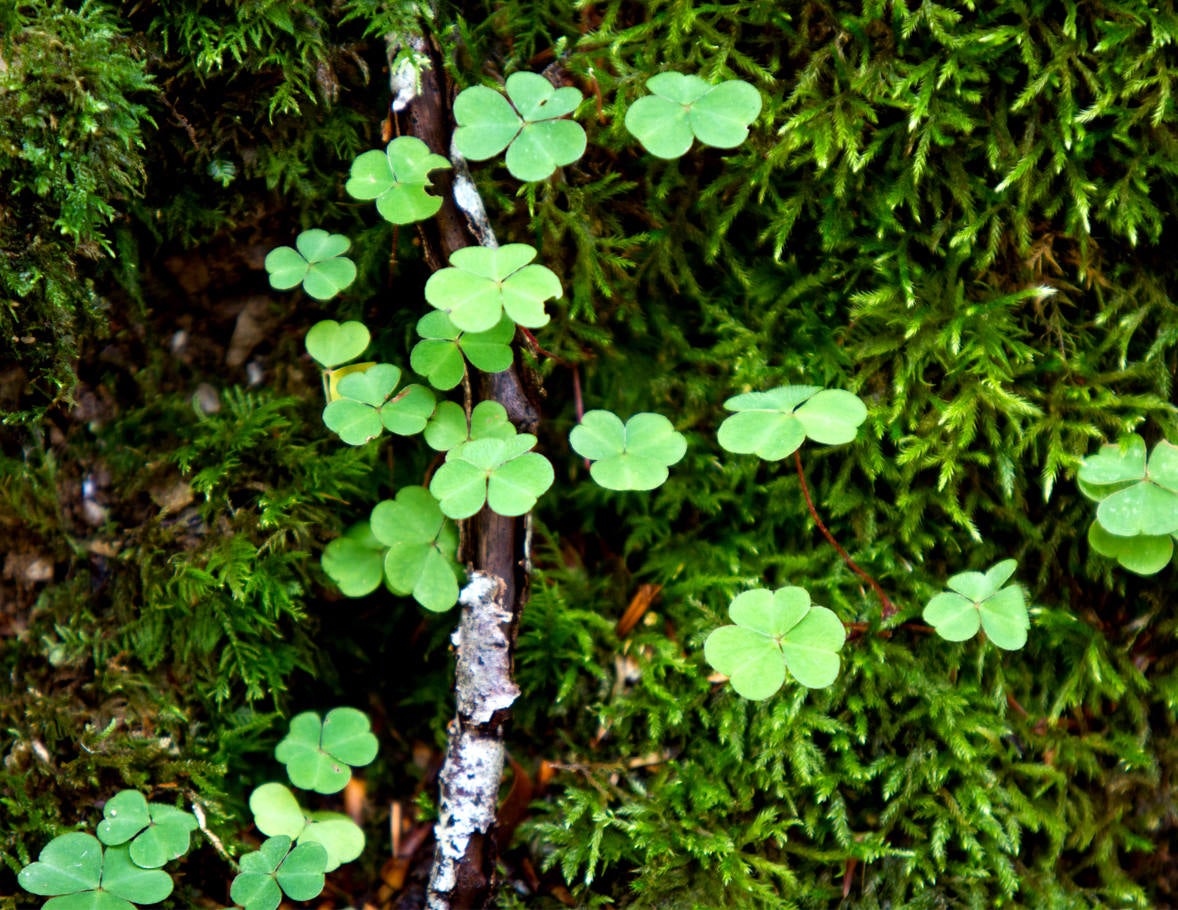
579 401
535 346
889 608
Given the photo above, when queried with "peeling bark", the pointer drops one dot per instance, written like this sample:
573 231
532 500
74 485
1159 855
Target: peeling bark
473 769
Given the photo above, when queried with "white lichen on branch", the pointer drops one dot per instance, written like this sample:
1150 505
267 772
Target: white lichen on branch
470 201
470 778
484 684
407 58
469 785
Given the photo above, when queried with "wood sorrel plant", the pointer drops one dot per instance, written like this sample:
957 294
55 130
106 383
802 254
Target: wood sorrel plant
123 866
486 299
1137 516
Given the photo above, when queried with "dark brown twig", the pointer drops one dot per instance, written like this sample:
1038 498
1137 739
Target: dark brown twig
183 121
889 608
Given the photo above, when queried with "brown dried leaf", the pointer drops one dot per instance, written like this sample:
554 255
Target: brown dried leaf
639 604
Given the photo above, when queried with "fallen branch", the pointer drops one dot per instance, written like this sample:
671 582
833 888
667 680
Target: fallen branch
495 547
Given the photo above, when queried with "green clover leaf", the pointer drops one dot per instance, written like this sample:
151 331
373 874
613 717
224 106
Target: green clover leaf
775 631
277 813
318 264
630 456
397 179
67 864
490 351
317 752
161 833
503 473
78 874
1145 554
773 424
439 355
331 378
1137 496
300 875
331 343
482 284
124 815
275 869
448 427
409 412
683 107
355 561
975 600
367 405
355 416
1113 467
341 837
488 420
422 548
373 386
528 126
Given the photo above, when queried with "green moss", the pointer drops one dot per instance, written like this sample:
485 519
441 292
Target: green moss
72 87
955 214
965 216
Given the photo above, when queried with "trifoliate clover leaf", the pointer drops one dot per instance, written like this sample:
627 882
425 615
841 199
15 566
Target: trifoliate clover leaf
482 284
79 874
355 561
397 179
683 107
1137 496
773 424
356 416
775 631
277 813
976 600
422 548
528 125
502 473
439 355
331 343
275 869
1145 554
633 455
367 405
318 264
161 833
317 752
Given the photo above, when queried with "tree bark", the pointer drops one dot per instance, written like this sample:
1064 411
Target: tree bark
495 547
